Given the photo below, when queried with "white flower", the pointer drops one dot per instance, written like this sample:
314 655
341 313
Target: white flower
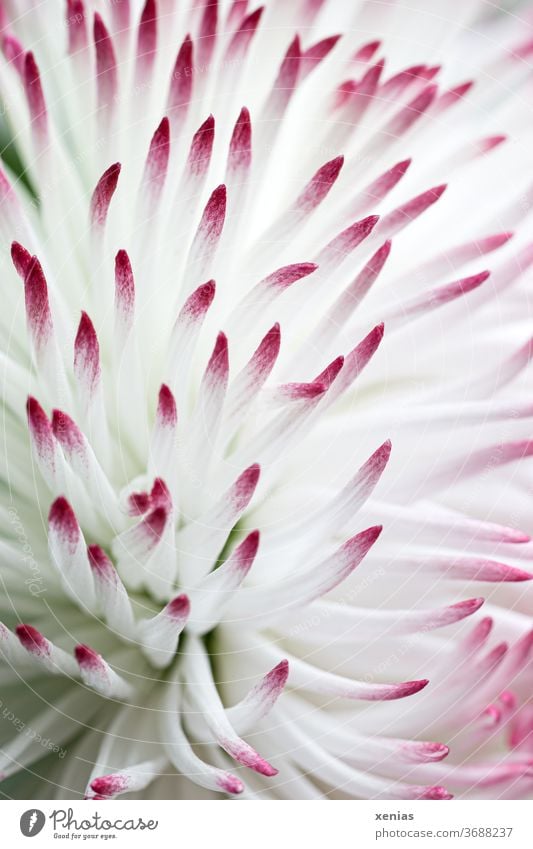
190 558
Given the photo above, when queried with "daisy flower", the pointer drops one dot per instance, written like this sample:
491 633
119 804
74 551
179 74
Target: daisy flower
266 414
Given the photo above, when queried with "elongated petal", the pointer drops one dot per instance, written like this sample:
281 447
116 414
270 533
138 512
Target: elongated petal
98 675
185 760
103 194
270 601
68 552
51 657
111 595
106 66
260 700
131 780
159 636
209 532
202 692
213 594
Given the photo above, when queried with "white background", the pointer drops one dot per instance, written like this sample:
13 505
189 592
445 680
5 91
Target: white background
281 825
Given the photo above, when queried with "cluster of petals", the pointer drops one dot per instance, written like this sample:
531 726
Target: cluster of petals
266 418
